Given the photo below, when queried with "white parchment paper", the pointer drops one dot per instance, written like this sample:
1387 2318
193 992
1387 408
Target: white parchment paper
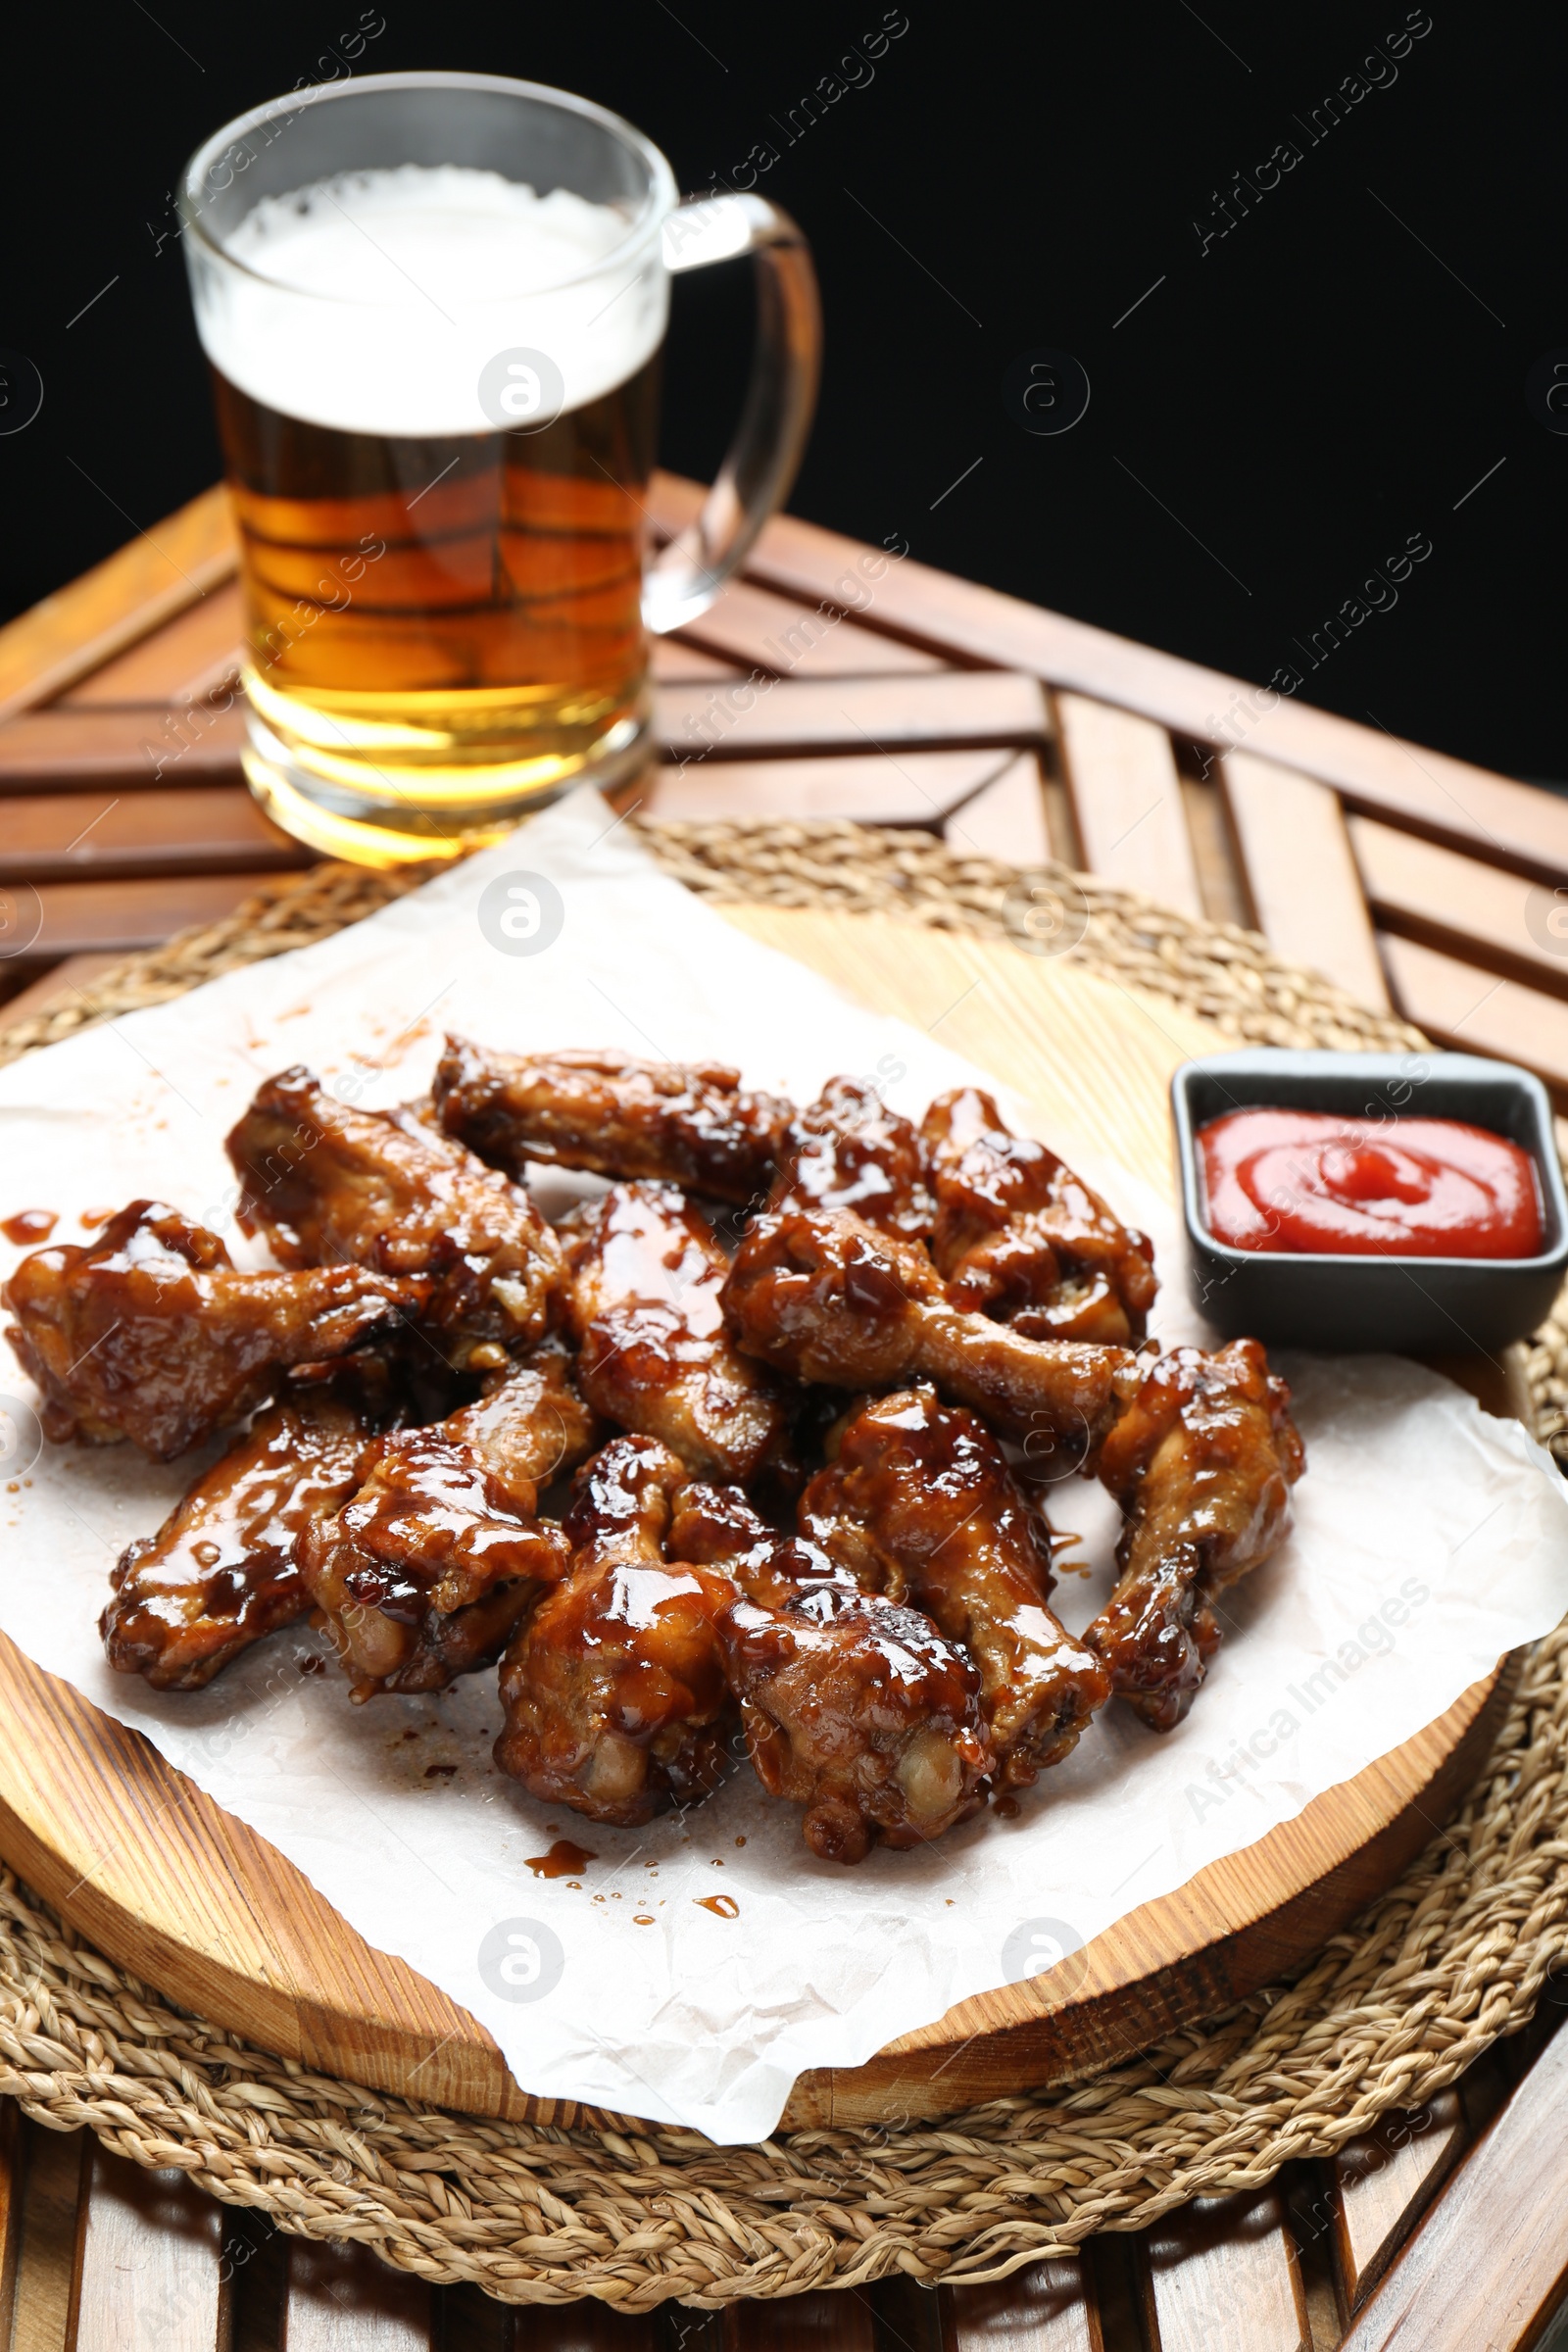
1430 1539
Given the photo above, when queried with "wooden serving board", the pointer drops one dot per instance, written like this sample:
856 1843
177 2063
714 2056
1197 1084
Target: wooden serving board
157 1876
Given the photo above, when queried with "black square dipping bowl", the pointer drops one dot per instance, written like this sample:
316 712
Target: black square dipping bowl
1408 1306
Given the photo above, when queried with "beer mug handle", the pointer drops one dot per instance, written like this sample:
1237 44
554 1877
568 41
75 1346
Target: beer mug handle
755 479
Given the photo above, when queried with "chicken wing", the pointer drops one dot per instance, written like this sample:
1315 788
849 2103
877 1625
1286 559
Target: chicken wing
614 1691
148 1331
1020 1238
1202 1463
853 1706
329 1185
645 1275
829 1298
221 1573
920 1505
847 1150
688 1123
425 1574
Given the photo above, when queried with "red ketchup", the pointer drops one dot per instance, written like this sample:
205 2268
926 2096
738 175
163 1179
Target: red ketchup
1310 1180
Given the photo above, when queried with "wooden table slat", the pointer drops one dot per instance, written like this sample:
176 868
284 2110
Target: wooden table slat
1474 1011
1468 909
1220 882
12 2163
346 2301
149 2261
1005 819
185 658
763 630
670 660
930 711
51 2193
1301 874
80 917
1047 2308
913 788
1222 2276
823 2321
1383 2184
1490 2263
138 750
206 829
594 2327
156 574
1127 798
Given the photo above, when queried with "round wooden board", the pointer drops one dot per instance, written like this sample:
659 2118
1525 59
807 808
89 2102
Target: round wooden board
156 1875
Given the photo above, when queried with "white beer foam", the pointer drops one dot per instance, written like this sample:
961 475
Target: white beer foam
371 301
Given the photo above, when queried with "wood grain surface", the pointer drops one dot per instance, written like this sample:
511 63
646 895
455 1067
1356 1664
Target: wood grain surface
1374 773
1477 1011
1222 2276
1127 799
189 556
926 711
1478 911
159 1877
1045 2308
148 2263
1302 875
1381 2183
1488 2266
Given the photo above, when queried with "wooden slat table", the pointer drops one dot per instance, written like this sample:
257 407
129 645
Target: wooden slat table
1410 878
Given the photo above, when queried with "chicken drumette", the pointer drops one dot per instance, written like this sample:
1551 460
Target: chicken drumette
847 1150
148 1331
645 1275
614 1690
425 1574
1020 1238
920 1503
688 1123
828 1298
222 1573
329 1185
1202 1463
854 1707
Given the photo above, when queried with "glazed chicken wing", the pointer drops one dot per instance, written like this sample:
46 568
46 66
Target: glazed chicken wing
221 1573
689 1123
920 1505
829 1298
425 1574
645 1275
148 1331
614 1691
1202 1463
329 1185
854 1707
1020 1238
847 1150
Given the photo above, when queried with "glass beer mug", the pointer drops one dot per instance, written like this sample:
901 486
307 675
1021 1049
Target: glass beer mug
434 306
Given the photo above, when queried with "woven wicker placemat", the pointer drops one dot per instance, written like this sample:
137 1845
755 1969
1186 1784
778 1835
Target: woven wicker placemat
1389 2012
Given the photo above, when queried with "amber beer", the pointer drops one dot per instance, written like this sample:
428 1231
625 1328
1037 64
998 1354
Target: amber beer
460 612
433 305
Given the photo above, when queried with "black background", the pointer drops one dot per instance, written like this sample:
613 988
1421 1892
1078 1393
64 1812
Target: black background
1275 420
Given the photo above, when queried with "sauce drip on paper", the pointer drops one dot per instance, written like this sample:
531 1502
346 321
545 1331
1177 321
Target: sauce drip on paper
30 1225
564 1860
